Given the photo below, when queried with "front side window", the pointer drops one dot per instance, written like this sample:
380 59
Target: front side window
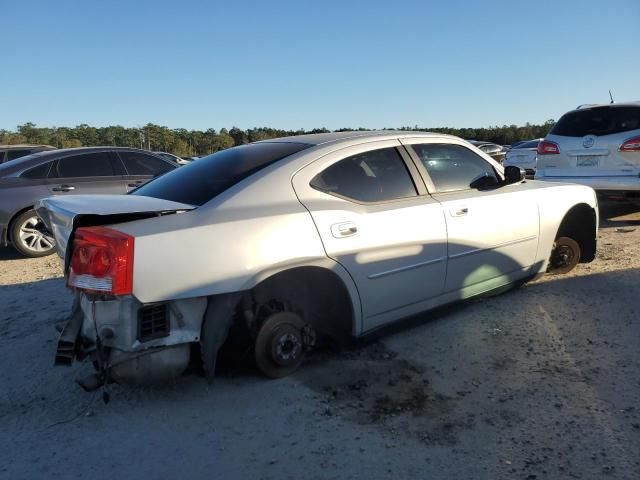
141 164
86 165
454 167
374 176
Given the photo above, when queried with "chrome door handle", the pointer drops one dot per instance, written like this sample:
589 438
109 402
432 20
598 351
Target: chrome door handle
63 188
345 229
459 211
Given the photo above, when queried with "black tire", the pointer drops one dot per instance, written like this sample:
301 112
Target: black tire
30 237
279 347
564 256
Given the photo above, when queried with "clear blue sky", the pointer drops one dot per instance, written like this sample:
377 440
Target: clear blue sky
209 64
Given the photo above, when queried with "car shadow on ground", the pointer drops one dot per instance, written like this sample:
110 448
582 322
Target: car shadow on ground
9 253
623 213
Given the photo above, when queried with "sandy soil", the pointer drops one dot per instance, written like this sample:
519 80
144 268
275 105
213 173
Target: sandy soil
541 382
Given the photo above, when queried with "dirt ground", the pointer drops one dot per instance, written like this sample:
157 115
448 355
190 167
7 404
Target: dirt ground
541 382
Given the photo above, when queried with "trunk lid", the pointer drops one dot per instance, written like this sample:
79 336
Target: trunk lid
62 215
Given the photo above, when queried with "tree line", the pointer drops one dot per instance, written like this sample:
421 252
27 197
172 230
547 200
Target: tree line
186 143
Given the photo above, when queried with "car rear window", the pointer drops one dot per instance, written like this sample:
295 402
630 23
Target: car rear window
605 120
529 144
200 181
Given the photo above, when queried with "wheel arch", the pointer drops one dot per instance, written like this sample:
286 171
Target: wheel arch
12 221
323 291
579 223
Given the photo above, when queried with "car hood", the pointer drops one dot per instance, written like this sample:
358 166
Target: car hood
62 215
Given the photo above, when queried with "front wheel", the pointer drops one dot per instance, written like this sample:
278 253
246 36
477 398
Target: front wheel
564 256
30 236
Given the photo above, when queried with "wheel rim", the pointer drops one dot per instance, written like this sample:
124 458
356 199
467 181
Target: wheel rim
34 237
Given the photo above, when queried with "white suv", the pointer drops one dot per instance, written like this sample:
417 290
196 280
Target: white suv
595 145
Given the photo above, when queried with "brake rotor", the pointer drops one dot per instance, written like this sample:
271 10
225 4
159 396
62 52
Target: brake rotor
279 347
564 256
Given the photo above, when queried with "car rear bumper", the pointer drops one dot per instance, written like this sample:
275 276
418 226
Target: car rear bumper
610 182
133 342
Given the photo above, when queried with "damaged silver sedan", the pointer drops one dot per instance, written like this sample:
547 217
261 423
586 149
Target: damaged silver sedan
299 241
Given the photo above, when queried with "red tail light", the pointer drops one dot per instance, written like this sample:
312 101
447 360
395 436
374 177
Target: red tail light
546 147
101 261
631 145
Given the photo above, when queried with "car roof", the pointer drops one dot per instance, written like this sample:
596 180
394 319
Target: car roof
339 137
25 145
587 106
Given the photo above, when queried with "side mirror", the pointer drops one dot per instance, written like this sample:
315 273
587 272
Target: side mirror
513 174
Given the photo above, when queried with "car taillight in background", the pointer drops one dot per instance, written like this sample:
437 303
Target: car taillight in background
548 148
631 145
101 261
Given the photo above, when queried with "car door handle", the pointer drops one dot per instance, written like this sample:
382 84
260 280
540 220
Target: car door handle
459 211
344 229
136 184
63 188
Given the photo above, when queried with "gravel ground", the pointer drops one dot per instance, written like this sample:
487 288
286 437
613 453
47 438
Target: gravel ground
541 382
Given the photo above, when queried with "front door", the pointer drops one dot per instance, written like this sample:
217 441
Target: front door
492 229
376 220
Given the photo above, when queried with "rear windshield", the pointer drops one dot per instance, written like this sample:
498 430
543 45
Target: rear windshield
529 144
598 121
206 177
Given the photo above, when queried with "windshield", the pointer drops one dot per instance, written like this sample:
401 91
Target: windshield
605 120
199 182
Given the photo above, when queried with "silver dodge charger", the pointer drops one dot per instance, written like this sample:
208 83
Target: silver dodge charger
300 241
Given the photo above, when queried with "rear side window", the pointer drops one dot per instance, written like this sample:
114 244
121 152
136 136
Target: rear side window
13 154
41 171
140 164
86 165
454 167
374 176
199 182
598 121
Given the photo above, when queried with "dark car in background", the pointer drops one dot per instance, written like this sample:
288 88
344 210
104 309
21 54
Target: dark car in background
12 152
495 151
108 170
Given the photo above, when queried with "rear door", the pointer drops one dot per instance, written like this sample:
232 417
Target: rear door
140 167
376 220
492 231
85 173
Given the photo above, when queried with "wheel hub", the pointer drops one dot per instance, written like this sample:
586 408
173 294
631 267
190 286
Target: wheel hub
34 235
286 348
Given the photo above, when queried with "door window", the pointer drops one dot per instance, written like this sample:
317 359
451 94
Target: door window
86 165
454 167
373 176
41 171
142 164
13 154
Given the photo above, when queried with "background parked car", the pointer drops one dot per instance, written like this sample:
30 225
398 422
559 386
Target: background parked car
495 151
595 145
524 155
11 152
173 158
65 172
